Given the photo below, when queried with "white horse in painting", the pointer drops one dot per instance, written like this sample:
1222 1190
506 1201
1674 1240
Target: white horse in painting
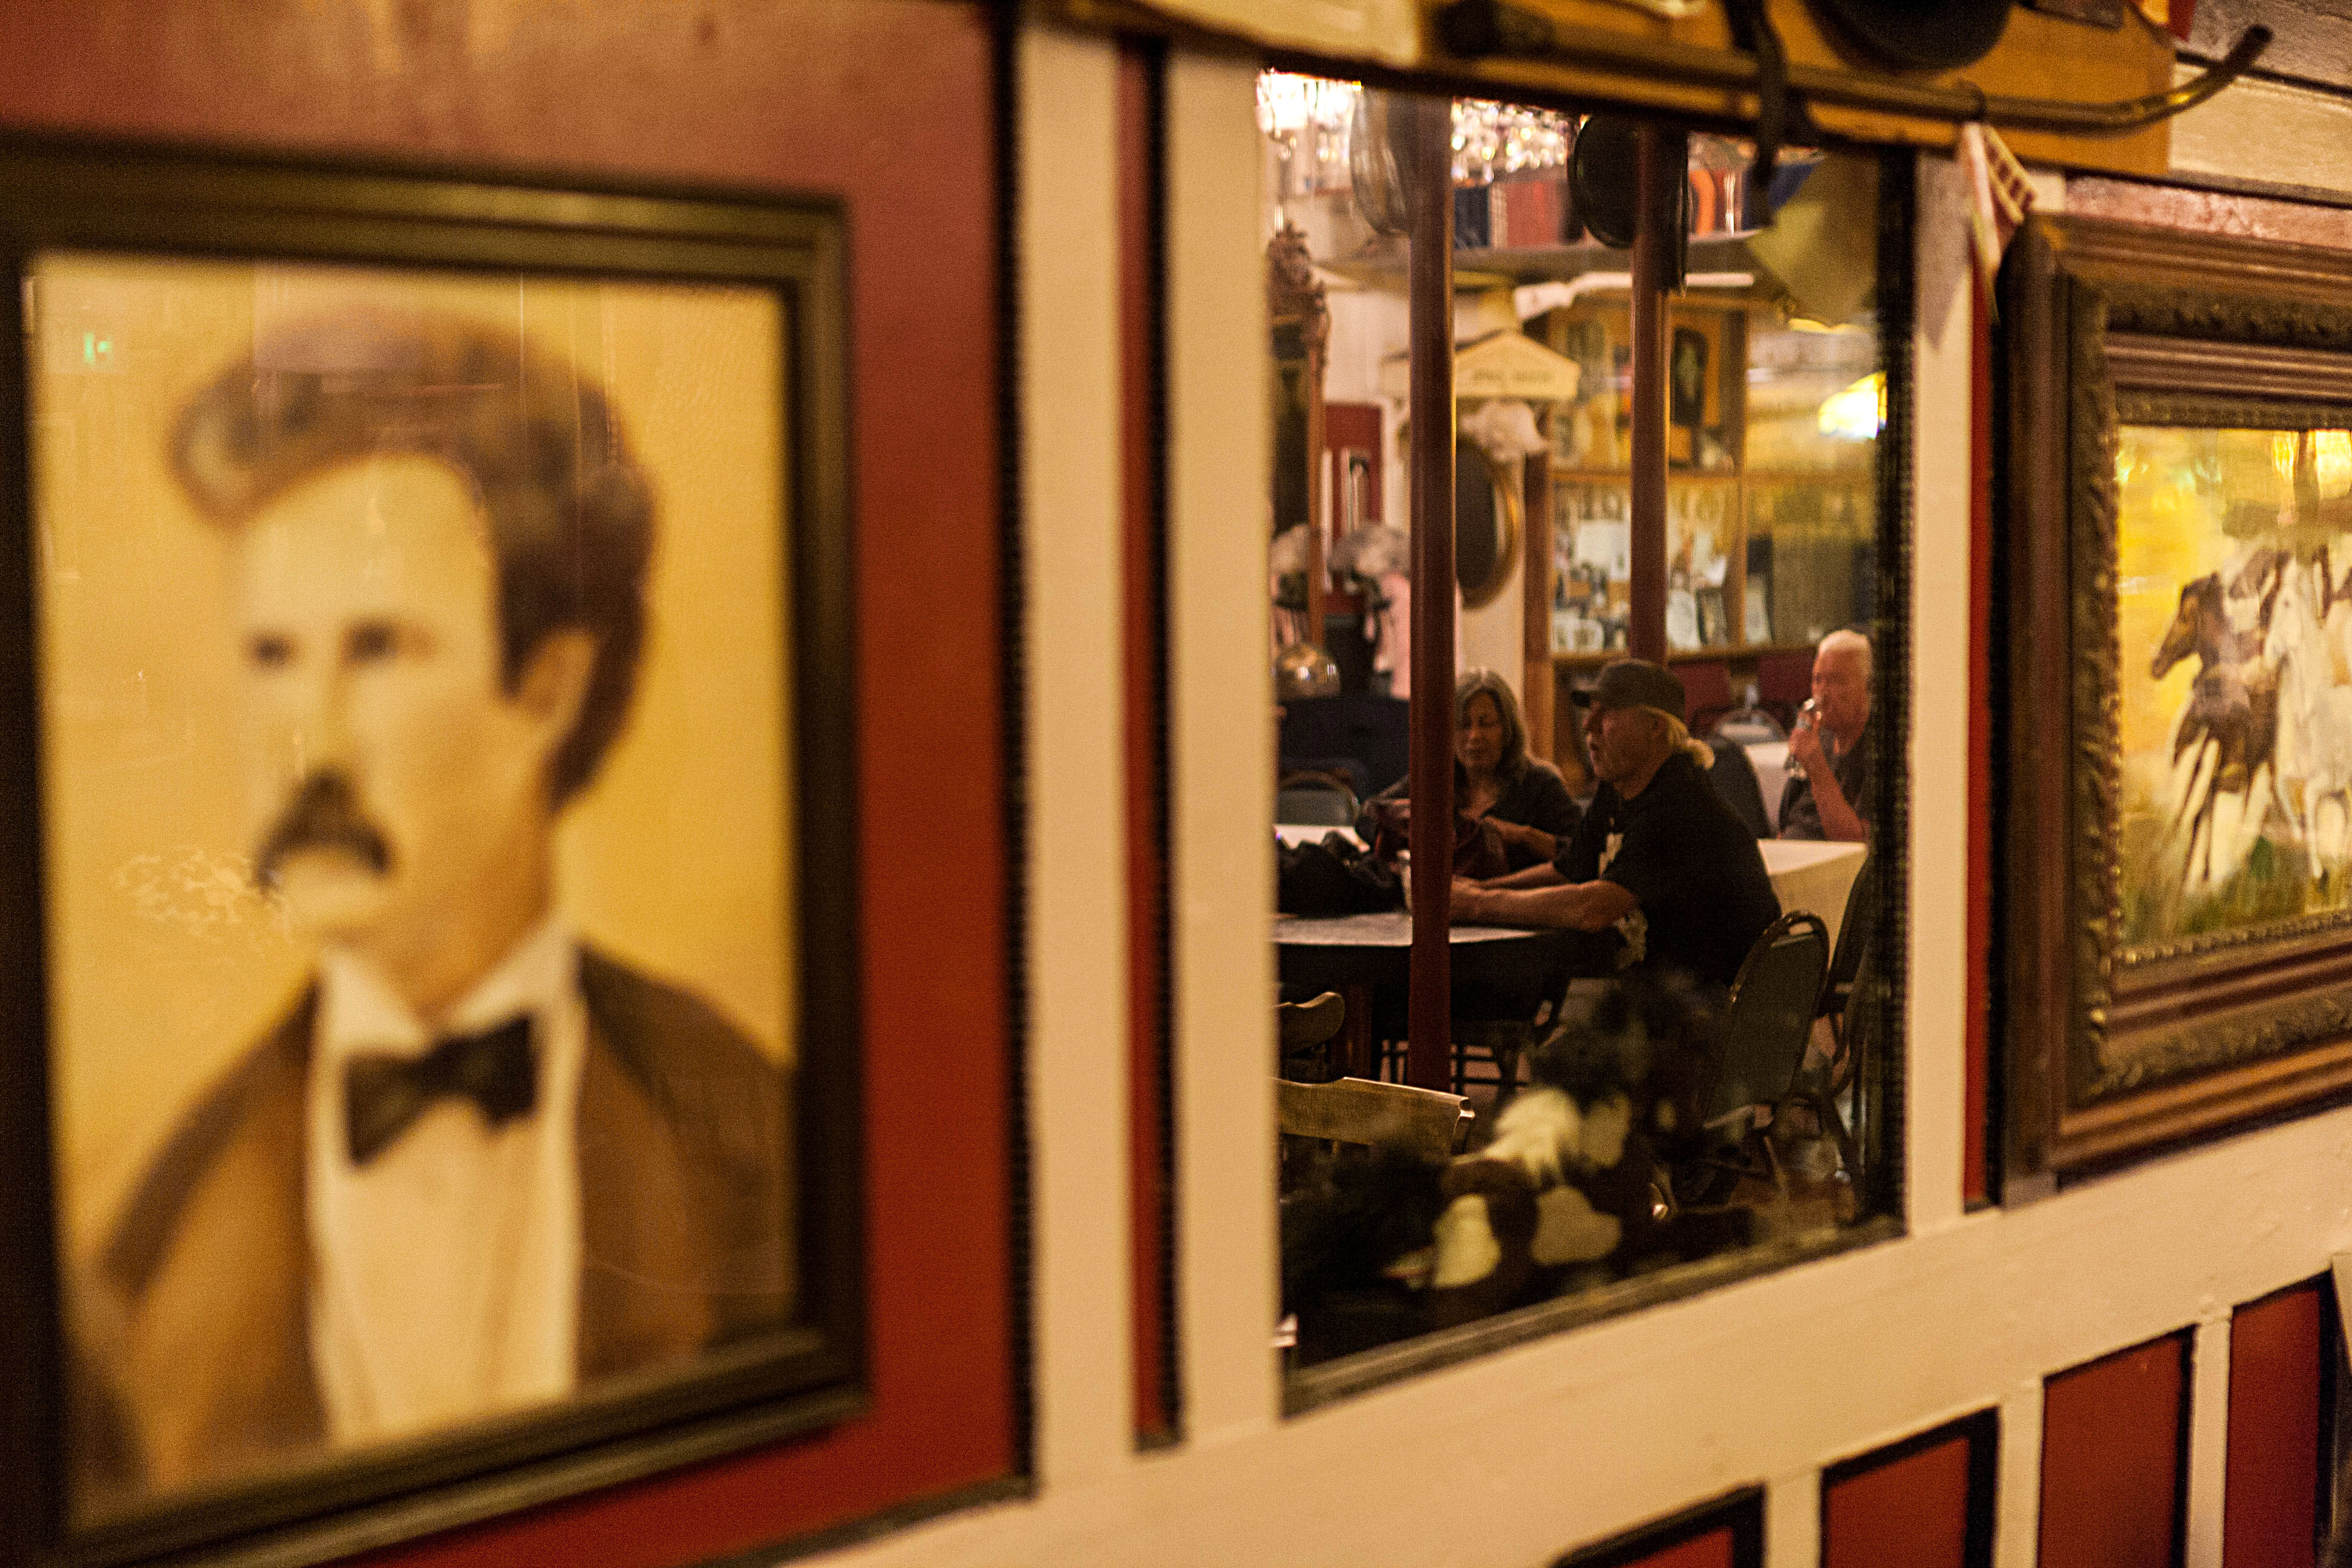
2314 743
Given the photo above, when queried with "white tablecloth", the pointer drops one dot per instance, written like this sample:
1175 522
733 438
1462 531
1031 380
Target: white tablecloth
1808 874
1294 833
1770 761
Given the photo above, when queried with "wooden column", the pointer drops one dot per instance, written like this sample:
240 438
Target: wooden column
1535 681
1425 158
1660 163
1319 541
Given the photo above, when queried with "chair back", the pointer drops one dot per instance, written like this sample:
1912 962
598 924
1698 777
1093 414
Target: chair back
1706 693
1421 1121
1853 930
1372 729
1771 1017
1734 777
1317 806
1751 727
1783 682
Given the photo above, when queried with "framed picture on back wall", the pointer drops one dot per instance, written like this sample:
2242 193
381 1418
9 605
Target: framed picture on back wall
432 1067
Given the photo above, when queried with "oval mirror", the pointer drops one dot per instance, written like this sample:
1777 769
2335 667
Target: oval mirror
1485 528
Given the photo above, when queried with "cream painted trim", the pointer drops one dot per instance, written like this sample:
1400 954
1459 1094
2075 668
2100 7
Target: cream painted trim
2017 1519
2269 131
1077 910
1220 710
2208 1441
1937 980
1792 1520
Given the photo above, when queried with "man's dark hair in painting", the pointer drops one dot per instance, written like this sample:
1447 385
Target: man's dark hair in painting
570 514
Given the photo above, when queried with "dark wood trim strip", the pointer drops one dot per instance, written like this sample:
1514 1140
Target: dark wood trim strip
1013 697
1430 200
1143 424
1977 1181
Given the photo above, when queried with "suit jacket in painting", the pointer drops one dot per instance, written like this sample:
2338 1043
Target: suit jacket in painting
193 1355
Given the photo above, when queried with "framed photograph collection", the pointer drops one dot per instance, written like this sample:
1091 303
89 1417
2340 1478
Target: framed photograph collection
2175 768
427 837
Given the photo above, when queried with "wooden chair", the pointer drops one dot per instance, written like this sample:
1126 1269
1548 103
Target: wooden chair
1706 693
1783 682
1425 1122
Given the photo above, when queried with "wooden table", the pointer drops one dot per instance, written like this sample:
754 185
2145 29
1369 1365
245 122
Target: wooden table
1353 954
1809 874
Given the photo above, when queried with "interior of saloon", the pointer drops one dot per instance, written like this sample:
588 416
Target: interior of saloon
1665 459
1586 789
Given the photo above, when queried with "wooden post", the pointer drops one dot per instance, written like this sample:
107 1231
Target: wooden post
1425 160
1660 163
1535 681
1319 542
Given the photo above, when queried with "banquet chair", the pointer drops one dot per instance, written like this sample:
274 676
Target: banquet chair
1751 727
1734 778
1707 692
1783 682
1853 933
1315 800
1765 1030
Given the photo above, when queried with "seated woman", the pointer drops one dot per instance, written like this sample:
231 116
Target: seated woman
1495 778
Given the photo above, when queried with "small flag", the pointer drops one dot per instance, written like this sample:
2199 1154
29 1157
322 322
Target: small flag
2000 195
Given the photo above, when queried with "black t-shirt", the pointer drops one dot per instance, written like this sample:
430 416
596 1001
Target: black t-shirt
1800 814
1692 866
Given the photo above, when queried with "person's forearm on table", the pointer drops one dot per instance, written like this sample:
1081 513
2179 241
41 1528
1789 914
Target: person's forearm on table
1534 840
1576 906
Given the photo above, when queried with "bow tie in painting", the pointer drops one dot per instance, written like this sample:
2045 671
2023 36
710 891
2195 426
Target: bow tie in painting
383 1095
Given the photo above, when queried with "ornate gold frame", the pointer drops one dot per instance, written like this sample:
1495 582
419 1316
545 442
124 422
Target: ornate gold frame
2106 323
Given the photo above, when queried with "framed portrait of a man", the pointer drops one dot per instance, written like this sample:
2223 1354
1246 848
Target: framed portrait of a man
433 1034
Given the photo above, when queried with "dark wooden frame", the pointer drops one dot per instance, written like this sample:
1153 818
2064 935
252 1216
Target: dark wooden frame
58 196
2105 323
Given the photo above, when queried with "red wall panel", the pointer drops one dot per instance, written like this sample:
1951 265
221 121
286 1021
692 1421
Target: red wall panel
2113 1447
1712 1550
2269 1519
1925 1502
1726 1533
891 105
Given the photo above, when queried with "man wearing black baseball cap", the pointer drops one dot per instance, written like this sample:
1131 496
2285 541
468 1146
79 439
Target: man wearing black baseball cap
1659 857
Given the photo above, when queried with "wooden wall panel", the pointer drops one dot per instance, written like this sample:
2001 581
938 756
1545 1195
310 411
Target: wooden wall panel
2270 1516
1725 1533
1925 1502
2114 1460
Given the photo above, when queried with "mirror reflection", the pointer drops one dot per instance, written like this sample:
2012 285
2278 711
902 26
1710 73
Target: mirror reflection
1667 1038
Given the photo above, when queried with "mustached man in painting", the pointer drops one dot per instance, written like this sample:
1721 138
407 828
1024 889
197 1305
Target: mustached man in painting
477 1165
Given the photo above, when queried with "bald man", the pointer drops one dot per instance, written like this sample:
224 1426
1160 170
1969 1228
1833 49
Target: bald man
1833 798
